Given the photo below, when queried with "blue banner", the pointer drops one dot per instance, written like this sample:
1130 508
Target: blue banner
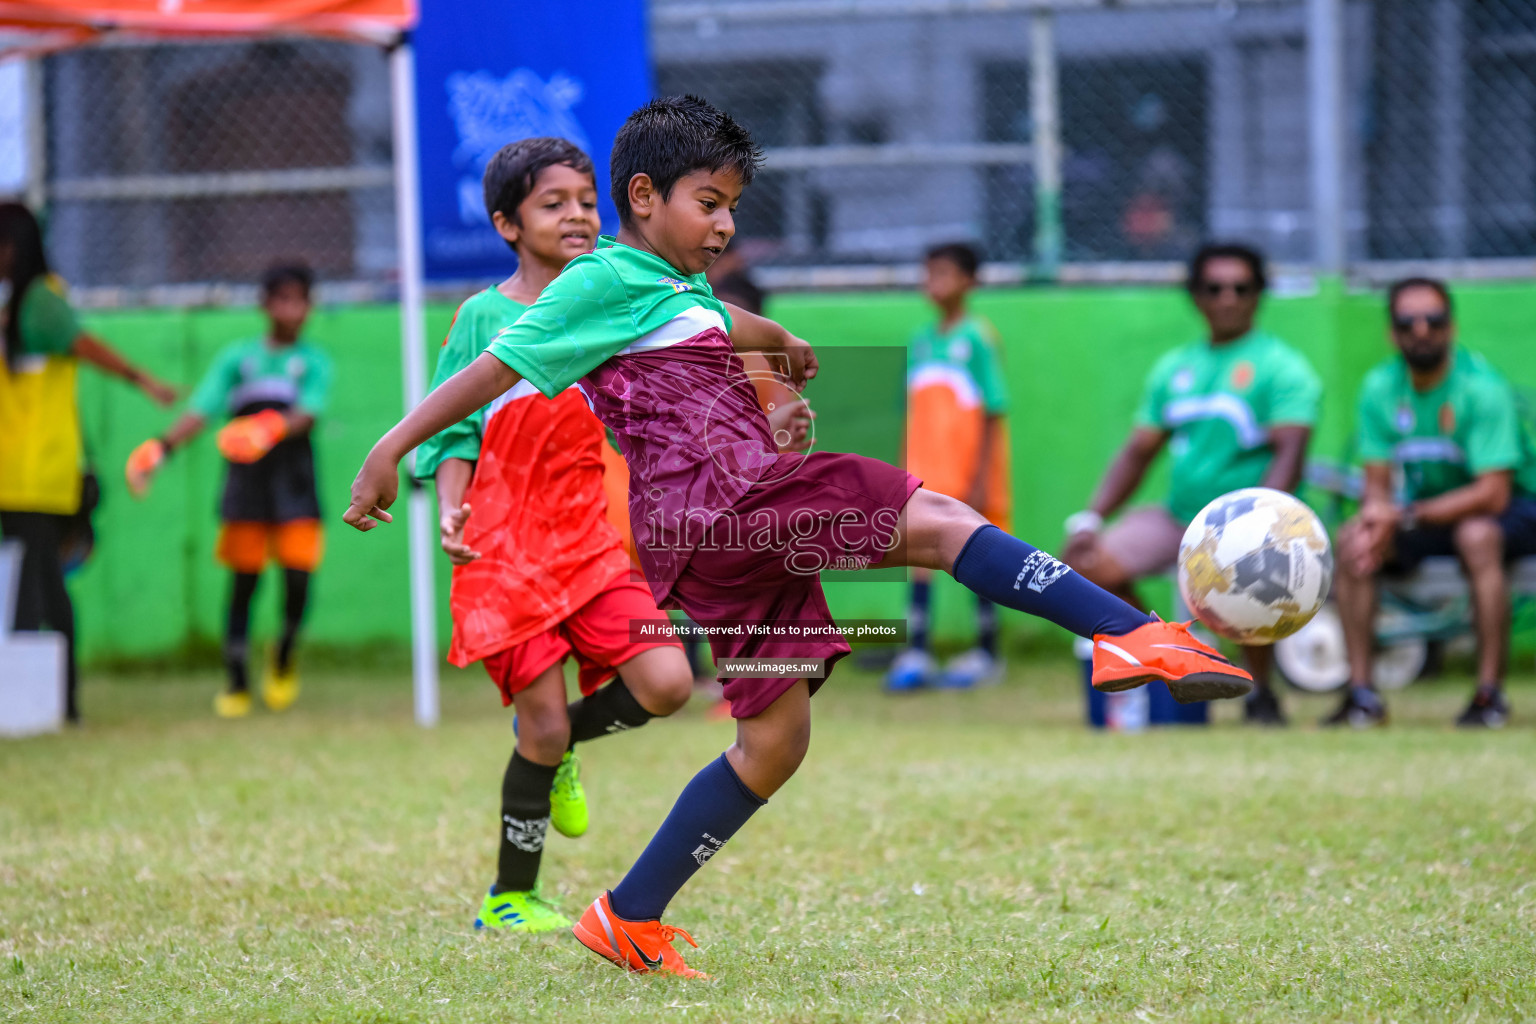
490 72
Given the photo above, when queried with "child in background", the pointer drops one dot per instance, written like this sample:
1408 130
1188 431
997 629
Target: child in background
540 572
272 388
957 444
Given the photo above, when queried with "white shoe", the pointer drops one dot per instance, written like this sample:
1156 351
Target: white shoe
974 667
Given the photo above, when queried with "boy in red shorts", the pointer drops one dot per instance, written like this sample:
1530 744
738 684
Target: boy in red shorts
728 528
540 574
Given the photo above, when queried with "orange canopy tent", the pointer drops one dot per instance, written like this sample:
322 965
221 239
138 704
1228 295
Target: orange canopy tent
54 23
37 26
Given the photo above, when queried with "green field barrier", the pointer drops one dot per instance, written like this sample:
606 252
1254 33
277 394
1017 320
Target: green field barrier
1075 360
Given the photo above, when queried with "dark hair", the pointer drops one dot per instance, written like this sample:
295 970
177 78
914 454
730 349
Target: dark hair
511 173
739 288
674 136
20 230
1225 251
1398 287
279 274
960 254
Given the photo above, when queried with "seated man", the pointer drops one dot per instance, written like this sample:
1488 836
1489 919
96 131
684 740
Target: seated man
1236 409
1448 422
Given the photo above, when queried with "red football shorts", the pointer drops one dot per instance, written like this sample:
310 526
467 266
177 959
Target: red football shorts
597 633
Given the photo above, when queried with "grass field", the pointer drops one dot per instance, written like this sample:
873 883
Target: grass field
945 857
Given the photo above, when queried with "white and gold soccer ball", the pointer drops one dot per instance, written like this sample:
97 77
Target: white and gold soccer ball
1255 565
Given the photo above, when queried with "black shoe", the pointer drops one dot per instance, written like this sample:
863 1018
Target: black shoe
1361 708
1263 708
1487 711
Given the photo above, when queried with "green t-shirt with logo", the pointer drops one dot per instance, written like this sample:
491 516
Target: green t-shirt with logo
601 302
965 356
1219 403
1467 425
482 316
259 373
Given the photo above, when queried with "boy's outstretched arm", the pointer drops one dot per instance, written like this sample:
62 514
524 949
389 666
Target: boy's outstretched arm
455 398
753 333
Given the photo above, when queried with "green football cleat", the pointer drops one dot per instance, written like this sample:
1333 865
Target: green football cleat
567 800
519 912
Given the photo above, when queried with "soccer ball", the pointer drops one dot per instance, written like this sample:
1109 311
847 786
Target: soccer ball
1255 565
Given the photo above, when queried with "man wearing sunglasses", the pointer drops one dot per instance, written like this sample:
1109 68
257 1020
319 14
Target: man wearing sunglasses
1235 408
1444 423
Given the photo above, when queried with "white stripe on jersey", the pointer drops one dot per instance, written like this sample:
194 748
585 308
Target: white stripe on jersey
688 324
955 378
522 389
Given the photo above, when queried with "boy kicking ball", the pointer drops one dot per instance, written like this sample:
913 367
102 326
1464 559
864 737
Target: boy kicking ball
539 573
727 528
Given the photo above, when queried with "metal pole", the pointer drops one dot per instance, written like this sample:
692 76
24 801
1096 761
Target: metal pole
402 80
1325 74
1045 115
37 135
1447 70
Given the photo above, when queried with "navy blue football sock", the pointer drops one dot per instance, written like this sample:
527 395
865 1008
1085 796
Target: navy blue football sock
1010 572
709 811
917 616
986 625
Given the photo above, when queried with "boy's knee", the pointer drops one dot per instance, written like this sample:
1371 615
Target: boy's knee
670 694
660 680
1479 539
543 721
785 750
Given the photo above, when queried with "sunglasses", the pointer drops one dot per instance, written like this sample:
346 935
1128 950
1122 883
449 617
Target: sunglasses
1434 321
1213 289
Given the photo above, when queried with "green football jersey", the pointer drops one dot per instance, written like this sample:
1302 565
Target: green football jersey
1219 403
600 303
258 373
964 357
1469 424
481 317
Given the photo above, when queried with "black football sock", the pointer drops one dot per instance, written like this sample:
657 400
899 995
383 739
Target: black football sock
986 625
917 616
611 709
238 628
1012 573
524 821
711 809
296 597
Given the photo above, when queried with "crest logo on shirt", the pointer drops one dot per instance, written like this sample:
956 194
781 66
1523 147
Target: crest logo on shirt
960 350
1447 419
1242 376
1404 419
1183 380
675 284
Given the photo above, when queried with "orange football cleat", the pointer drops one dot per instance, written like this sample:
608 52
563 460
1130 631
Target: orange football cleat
1165 650
248 438
638 946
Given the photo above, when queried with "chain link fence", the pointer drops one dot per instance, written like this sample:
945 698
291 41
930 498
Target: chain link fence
1088 138
174 165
